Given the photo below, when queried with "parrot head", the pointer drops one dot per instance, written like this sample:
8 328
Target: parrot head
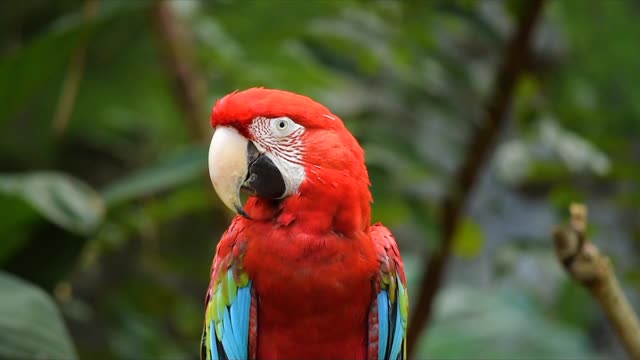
296 159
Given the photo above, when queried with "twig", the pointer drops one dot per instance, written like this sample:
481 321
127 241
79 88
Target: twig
177 55
593 270
516 55
74 74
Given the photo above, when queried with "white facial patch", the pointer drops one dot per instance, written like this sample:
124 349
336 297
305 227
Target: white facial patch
280 139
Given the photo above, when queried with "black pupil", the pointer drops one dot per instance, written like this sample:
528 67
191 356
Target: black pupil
281 124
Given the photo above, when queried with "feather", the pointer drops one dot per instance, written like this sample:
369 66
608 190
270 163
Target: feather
227 333
383 324
228 338
392 299
244 304
213 348
398 333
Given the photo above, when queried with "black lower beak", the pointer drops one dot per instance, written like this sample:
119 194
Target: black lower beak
263 178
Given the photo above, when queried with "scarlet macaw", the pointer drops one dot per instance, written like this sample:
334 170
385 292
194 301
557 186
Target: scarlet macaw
300 273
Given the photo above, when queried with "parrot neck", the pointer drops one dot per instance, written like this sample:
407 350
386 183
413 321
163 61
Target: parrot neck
342 207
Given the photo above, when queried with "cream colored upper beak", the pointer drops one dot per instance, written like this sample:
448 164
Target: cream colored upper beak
228 165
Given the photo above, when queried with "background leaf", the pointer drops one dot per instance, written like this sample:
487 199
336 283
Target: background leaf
30 326
26 70
468 241
62 199
178 169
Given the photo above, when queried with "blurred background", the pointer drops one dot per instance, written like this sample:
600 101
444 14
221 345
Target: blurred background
109 223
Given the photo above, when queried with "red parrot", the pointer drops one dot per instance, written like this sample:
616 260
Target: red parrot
300 273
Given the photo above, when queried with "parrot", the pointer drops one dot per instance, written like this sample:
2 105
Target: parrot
300 273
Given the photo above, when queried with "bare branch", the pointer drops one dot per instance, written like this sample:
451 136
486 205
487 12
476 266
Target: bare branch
593 270
515 56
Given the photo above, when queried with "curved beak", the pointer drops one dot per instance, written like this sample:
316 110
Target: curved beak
235 163
228 166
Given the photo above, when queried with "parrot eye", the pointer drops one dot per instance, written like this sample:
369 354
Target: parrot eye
283 126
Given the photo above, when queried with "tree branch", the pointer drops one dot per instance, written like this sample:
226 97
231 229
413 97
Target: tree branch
515 57
75 71
593 270
178 55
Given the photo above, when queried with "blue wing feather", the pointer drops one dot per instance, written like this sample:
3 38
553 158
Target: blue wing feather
235 319
397 334
228 338
244 301
383 323
213 349
232 342
392 301
391 325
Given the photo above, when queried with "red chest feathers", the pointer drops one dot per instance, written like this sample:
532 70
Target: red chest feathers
314 291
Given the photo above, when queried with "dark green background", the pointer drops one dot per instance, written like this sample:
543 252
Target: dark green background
114 217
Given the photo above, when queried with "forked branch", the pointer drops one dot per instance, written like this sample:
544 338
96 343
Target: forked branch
593 270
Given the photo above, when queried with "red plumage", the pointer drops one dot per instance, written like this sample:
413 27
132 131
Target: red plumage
313 258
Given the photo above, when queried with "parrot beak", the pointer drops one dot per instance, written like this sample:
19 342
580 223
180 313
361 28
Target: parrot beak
228 166
235 163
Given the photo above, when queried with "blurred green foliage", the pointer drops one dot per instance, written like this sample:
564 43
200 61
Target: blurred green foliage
27 307
114 216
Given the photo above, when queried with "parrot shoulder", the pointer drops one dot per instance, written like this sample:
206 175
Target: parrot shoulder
230 307
390 307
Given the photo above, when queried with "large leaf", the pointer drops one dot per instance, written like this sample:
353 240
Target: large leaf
30 325
182 167
64 200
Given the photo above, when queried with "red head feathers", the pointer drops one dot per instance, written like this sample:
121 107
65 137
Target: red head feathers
240 108
320 162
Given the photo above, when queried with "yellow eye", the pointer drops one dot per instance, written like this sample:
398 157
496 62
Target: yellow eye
282 125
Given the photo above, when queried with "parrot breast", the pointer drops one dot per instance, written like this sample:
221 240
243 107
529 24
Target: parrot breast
314 291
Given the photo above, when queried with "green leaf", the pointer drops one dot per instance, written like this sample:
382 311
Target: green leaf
183 167
64 200
468 240
24 71
30 324
17 220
